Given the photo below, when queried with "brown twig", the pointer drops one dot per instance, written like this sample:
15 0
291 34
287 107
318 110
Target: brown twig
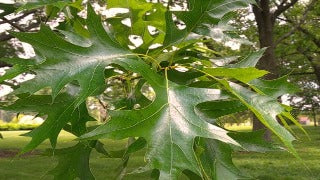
283 7
20 17
13 24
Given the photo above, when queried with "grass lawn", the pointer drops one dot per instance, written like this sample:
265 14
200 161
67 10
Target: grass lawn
282 165
272 165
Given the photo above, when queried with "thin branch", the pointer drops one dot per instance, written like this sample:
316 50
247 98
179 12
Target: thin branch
283 7
297 25
12 24
301 73
275 2
282 3
286 20
290 54
20 17
312 61
9 84
304 52
314 39
6 37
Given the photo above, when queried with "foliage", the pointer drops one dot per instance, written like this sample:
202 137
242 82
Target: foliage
295 36
180 135
15 126
27 123
299 53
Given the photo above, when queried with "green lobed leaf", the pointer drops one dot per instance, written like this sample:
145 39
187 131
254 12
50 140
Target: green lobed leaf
215 109
65 62
216 156
142 16
253 141
265 108
274 88
250 61
20 66
208 11
7 9
73 162
242 74
216 160
59 113
169 124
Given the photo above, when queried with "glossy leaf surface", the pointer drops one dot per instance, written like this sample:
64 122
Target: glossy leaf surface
169 124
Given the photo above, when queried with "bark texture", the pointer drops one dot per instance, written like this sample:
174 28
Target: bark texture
265 19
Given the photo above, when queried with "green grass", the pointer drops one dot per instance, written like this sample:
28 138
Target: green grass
282 165
36 166
271 165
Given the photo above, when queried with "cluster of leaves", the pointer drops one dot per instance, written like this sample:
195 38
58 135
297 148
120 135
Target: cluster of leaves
177 127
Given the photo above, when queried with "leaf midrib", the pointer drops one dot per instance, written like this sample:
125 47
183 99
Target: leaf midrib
98 58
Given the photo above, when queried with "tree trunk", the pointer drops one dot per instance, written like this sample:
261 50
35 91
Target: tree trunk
265 24
257 125
314 117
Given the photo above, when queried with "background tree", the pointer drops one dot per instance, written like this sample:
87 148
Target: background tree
304 34
277 35
299 53
266 19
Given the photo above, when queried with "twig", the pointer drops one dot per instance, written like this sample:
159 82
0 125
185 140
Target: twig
6 37
20 17
13 24
283 7
297 25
